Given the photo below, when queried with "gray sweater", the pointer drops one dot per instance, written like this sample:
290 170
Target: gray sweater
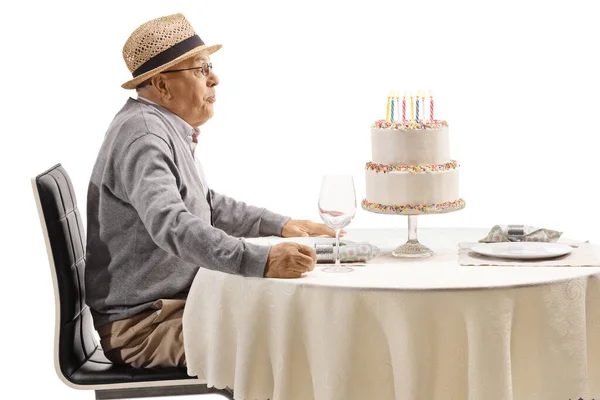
149 223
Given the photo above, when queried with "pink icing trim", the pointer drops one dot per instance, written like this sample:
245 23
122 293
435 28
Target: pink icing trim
408 125
422 168
414 209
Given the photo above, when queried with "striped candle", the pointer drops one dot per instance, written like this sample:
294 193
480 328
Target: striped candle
387 110
392 109
431 107
404 108
412 108
423 105
417 113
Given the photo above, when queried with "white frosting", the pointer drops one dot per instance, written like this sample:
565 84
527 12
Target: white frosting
410 147
401 188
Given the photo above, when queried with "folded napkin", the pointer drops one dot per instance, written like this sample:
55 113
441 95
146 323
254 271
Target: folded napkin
520 233
349 252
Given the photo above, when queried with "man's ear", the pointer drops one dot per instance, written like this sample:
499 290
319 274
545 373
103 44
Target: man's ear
161 84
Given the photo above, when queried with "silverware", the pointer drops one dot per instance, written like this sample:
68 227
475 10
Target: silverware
515 233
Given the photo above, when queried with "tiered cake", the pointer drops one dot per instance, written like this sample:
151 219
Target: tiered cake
411 171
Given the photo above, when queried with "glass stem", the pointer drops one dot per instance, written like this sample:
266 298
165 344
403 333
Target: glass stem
337 247
412 228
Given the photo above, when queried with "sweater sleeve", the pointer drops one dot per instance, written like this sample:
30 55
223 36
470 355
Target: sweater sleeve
242 220
150 181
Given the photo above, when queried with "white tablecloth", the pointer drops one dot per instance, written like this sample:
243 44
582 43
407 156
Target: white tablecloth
399 329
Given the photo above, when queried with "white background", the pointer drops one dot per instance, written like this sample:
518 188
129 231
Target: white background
300 85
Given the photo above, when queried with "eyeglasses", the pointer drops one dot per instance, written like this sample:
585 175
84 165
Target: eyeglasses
205 68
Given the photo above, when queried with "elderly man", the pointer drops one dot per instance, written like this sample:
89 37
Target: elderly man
152 219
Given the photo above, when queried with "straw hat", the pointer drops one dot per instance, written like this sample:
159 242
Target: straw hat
159 44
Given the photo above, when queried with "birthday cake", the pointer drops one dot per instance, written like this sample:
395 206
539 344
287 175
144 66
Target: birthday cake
411 171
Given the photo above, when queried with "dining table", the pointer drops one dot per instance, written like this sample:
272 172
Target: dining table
401 328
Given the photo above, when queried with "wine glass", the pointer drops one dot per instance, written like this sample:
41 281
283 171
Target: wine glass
337 206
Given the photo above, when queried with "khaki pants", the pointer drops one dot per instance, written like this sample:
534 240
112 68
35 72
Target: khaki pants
152 338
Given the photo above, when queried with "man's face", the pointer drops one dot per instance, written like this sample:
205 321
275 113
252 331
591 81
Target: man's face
192 93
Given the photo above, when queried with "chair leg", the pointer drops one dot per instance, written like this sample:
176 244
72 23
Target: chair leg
158 391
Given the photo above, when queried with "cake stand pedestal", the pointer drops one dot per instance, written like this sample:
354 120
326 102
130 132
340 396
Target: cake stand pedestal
412 248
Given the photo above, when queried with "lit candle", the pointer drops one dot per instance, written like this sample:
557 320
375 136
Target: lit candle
417 117
412 108
404 108
392 108
387 110
423 104
430 106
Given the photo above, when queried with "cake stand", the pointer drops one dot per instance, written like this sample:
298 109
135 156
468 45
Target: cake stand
412 248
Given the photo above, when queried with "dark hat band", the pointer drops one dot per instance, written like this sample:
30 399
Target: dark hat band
169 55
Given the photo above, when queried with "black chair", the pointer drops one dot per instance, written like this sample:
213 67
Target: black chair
78 358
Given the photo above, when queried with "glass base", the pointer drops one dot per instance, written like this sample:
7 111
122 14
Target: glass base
412 249
338 268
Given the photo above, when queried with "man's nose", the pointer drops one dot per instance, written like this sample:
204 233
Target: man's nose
212 79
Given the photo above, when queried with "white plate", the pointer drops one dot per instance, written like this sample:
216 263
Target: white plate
522 250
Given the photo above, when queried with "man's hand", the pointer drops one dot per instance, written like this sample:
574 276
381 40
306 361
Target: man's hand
304 228
290 260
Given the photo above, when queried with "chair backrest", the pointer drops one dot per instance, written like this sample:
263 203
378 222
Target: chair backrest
65 241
